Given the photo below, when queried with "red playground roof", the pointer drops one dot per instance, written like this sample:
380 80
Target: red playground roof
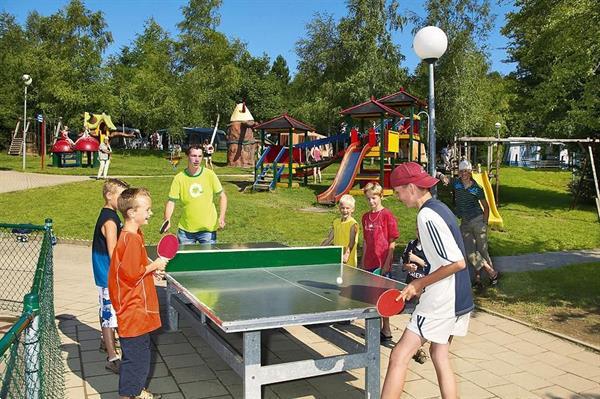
370 109
401 99
284 123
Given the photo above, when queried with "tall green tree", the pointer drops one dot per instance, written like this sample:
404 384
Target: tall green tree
210 78
556 46
13 47
468 97
345 63
146 83
64 57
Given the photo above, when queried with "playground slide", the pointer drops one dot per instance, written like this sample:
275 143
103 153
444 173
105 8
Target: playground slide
495 219
344 179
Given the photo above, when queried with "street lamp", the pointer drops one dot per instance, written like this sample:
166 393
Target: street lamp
26 82
430 43
497 125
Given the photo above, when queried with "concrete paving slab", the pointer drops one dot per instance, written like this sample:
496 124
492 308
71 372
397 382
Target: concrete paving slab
185 367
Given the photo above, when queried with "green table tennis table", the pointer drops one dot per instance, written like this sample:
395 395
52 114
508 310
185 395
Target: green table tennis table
224 290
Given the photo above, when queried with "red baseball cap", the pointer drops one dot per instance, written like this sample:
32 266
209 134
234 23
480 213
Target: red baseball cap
412 172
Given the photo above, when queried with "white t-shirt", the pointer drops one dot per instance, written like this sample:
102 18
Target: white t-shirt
442 244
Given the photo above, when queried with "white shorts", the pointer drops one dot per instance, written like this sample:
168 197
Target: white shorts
439 330
108 318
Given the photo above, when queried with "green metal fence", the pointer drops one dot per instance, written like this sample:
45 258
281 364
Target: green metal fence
31 364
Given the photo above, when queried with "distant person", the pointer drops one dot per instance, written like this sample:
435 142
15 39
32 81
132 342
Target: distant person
416 266
195 187
470 199
344 231
104 155
445 298
316 157
380 231
106 232
133 294
208 152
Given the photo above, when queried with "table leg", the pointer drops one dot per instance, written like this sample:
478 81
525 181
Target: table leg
252 362
173 315
372 372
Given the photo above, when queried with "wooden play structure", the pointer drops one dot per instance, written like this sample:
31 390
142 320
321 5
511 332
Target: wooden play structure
375 151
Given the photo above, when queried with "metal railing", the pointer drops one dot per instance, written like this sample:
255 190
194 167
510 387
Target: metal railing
31 364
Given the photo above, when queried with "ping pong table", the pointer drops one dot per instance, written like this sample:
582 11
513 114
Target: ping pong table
250 288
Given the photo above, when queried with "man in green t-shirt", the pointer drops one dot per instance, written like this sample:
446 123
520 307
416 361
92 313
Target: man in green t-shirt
195 188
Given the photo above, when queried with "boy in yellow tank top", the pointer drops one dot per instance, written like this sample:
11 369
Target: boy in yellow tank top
344 231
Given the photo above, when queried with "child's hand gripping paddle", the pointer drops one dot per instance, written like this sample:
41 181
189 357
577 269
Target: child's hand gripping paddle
167 249
388 305
167 246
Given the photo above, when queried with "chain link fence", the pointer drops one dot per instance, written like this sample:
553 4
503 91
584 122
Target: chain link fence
31 364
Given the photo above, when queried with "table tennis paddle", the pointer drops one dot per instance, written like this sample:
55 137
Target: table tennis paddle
164 226
387 305
167 246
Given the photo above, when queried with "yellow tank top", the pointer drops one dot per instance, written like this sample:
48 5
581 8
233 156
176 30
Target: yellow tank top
341 236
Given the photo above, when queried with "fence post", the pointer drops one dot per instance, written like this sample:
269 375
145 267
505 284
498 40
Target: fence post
31 304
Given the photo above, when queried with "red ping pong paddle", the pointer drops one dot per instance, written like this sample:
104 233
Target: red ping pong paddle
164 226
387 305
167 246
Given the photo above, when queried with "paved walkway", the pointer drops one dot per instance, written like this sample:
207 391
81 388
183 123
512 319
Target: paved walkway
546 260
16 181
498 359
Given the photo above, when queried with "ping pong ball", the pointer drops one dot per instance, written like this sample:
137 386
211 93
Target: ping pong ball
339 280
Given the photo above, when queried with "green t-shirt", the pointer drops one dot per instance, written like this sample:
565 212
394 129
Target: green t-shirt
196 194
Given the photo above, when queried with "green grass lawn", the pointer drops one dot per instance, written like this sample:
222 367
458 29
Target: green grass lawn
534 207
565 300
123 163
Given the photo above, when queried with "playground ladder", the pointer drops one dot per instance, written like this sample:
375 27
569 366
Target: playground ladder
263 182
16 144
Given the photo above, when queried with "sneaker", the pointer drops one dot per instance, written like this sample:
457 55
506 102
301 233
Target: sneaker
494 280
420 356
113 365
145 394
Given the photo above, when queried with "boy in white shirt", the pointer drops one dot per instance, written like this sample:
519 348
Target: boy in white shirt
446 300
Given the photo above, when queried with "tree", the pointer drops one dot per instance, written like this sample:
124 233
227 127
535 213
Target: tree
345 63
555 45
469 100
280 70
210 78
146 82
65 58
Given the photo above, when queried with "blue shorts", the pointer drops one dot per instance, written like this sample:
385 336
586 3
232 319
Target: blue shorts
200 237
108 318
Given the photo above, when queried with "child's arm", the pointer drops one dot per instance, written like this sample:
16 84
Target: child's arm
352 243
109 229
416 287
416 260
159 264
329 238
387 265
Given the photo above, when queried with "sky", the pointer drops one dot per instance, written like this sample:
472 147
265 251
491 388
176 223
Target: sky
266 26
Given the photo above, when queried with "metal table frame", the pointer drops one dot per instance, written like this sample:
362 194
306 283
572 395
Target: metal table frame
248 364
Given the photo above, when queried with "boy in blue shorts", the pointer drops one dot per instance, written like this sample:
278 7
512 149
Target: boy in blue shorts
106 232
445 299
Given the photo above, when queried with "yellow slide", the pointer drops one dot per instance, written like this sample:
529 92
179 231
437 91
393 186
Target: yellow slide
495 219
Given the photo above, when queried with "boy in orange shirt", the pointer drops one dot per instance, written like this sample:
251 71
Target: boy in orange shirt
133 294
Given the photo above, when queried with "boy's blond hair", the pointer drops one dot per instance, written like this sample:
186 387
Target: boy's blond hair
374 188
347 199
129 199
111 186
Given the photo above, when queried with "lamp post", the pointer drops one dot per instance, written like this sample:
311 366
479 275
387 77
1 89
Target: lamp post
430 43
26 82
497 125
